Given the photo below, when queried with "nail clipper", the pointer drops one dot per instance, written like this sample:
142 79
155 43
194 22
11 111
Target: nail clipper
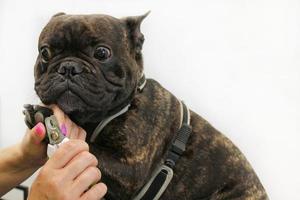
55 137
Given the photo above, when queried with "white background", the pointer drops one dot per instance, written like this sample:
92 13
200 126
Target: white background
235 62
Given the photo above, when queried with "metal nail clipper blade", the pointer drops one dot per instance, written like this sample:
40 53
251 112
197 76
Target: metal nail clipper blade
55 136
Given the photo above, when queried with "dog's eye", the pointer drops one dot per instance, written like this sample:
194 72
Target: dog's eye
102 53
45 54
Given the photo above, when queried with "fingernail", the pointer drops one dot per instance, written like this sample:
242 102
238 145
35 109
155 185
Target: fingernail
63 129
39 129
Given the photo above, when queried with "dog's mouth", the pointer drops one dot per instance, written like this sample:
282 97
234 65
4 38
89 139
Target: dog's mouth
72 97
69 101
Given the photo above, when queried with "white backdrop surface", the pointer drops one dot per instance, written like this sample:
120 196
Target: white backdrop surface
234 62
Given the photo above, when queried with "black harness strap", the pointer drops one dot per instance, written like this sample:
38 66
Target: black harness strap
163 176
179 144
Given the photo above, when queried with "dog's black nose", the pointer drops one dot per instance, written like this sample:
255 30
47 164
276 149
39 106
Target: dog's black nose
69 68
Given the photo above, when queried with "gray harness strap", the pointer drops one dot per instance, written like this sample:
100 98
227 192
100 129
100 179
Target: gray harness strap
141 84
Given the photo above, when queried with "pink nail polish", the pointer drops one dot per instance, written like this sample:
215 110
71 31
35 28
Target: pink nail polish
39 129
63 129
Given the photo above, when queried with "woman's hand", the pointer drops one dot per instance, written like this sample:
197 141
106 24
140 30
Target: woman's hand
71 173
33 150
20 161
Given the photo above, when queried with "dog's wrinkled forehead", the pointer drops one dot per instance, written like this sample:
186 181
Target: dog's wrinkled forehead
80 31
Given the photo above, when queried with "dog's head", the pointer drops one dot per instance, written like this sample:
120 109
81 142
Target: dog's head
89 65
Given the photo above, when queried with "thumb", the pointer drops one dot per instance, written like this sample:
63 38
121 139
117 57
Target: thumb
37 133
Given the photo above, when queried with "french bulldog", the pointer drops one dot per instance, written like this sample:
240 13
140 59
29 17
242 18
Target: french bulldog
91 66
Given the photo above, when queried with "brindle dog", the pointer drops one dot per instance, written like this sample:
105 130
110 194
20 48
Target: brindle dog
90 66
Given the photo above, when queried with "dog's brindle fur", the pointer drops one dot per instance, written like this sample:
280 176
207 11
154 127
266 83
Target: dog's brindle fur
133 145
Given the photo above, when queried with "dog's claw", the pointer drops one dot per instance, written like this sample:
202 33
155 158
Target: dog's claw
35 114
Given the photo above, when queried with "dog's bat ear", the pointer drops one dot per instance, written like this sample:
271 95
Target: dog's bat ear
58 14
133 26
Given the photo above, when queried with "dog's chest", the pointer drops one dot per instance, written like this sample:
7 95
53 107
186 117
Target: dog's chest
131 146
